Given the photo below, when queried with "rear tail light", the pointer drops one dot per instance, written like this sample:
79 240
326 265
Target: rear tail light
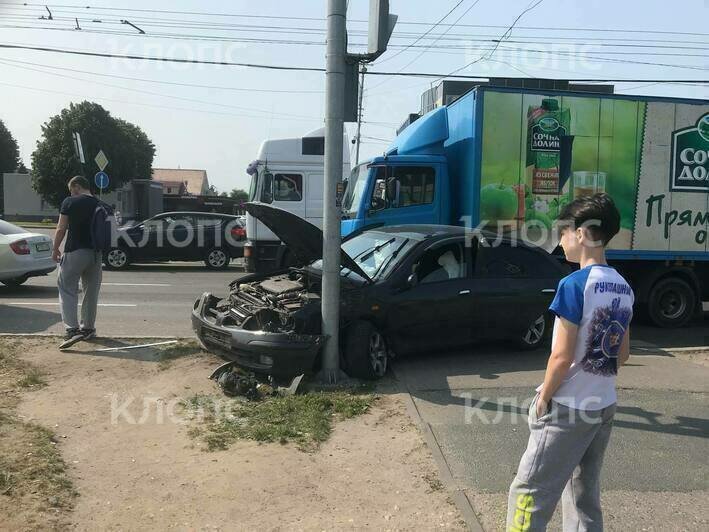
21 247
248 250
238 232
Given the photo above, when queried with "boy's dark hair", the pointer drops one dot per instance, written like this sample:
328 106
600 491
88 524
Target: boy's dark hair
79 180
597 213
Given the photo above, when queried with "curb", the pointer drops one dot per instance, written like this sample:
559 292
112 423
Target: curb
465 507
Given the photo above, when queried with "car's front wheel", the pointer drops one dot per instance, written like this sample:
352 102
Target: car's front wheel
116 259
536 334
217 259
366 353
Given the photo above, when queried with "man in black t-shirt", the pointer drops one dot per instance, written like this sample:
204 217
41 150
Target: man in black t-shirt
79 261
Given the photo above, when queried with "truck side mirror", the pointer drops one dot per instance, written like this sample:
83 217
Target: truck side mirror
392 191
267 188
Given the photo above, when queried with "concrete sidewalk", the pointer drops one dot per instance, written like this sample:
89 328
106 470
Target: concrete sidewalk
656 472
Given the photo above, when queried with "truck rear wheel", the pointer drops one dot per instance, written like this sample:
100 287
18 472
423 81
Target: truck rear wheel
671 303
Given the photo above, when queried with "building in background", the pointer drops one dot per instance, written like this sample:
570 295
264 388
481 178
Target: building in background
182 182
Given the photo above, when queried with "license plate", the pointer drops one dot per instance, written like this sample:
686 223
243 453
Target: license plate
216 337
44 246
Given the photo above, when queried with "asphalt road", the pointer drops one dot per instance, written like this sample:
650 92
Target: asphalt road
655 471
146 300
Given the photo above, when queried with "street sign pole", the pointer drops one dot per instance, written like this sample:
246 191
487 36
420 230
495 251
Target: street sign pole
334 126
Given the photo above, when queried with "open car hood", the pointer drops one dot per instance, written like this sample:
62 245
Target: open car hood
302 238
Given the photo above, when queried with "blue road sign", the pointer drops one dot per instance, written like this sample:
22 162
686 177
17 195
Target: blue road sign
101 180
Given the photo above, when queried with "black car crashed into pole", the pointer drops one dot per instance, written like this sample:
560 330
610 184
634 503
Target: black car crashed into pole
404 289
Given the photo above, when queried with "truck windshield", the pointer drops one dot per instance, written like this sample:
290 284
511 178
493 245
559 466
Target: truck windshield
356 185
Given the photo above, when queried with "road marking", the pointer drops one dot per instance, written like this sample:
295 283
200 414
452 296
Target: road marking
134 284
43 303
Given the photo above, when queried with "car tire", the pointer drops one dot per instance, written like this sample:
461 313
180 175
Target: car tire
536 334
116 259
671 303
366 352
14 283
217 259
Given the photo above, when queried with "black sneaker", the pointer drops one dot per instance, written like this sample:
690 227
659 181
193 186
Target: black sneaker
88 333
71 337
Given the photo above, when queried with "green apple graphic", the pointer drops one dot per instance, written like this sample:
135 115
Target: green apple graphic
498 202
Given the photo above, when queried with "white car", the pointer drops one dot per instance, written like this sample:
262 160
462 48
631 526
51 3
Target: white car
23 254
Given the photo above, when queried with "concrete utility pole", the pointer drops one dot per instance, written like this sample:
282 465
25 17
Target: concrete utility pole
334 124
359 114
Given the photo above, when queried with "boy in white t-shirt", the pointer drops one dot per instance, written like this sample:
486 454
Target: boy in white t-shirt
571 416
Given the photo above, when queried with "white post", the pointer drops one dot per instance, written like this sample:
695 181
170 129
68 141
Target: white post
334 114
359 114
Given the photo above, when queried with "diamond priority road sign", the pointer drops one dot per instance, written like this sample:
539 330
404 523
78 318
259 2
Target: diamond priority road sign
101 160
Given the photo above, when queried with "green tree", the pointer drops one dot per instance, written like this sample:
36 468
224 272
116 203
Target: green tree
129 150
239 194
9 153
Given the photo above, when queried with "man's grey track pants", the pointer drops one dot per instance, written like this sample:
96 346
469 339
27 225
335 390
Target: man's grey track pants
84 264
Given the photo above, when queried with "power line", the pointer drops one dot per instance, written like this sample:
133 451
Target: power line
315 69
157 106
425 33
85 9
175 83
502 37
313 31
428 47
161 95
161 59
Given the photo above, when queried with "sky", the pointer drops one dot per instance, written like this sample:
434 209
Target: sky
219 125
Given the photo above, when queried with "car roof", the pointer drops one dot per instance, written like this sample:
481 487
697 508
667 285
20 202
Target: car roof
438 232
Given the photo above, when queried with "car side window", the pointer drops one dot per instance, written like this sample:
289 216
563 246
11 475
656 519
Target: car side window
505 262
442 263
179 220
287 187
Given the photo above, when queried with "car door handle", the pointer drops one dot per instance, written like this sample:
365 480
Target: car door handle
548 290
464 293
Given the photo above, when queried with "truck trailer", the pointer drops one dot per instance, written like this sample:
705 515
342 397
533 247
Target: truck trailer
508 160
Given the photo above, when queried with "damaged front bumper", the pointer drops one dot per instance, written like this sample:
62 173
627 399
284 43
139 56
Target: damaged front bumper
279 354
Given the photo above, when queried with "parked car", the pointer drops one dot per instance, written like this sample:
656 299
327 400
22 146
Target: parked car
180 236
404 289
23 254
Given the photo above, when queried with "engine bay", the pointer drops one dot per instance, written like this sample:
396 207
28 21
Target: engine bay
271 304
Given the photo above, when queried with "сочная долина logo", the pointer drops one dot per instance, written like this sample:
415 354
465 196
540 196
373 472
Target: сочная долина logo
689 165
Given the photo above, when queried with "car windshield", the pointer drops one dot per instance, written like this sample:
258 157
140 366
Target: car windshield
376 253
7 228
356 184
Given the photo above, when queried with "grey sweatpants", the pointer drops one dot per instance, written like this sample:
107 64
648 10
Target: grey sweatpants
563 460
84 264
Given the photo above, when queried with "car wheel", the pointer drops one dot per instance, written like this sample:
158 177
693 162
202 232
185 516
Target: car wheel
671 303
366 353
536 333
12 283
116 259
217 259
